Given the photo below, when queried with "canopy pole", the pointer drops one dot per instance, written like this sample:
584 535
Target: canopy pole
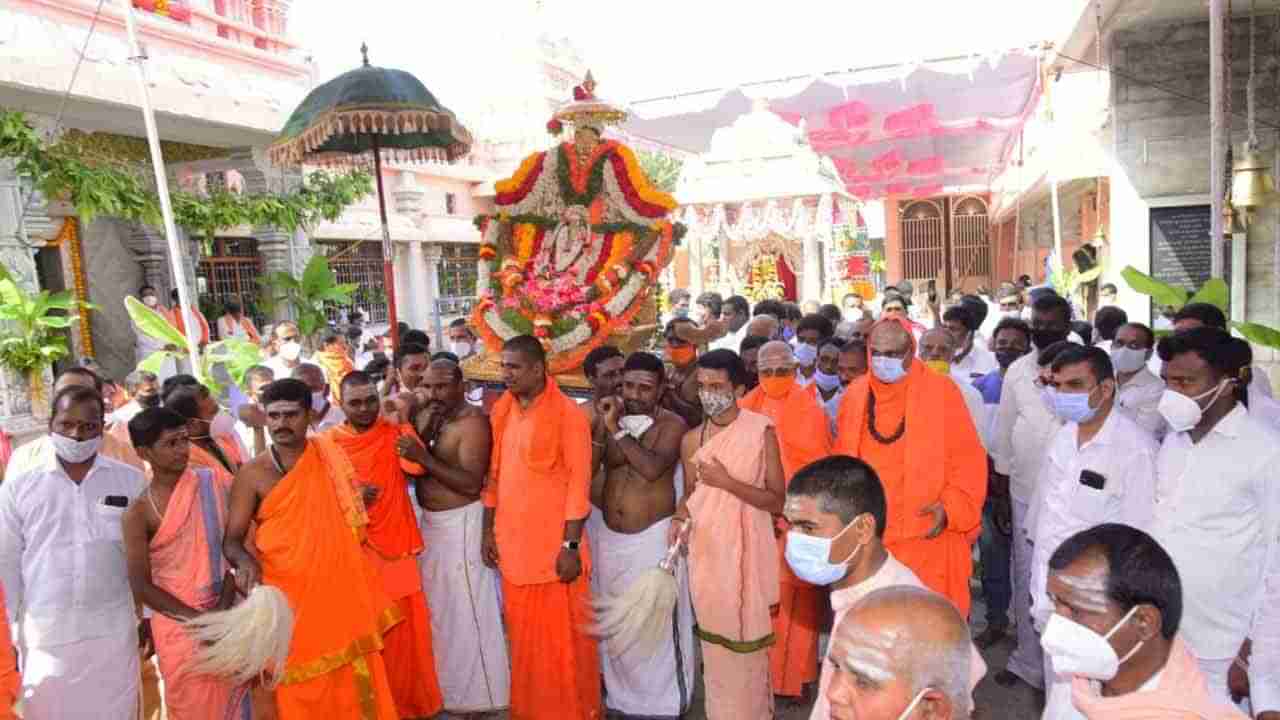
137 58
1218 127
388 251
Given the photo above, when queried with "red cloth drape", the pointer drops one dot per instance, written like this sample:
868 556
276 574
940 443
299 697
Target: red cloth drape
788 279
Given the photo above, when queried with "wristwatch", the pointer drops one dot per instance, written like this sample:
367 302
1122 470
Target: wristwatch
571 545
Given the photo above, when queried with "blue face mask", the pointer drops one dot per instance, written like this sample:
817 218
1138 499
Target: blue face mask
887 369
808 557
1072 407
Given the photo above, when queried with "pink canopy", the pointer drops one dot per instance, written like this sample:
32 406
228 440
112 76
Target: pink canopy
916 129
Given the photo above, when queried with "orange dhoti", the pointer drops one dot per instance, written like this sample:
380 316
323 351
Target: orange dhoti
393 543
546 625
804 436
309 535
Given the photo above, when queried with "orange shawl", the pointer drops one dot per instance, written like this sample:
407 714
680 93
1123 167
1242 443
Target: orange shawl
1181 694
336 367
393 527
733 563
943 458
804 434
10 680
310 527
175 318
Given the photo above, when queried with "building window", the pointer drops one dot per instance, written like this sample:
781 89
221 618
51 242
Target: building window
450 204
457 278
229 271
359 262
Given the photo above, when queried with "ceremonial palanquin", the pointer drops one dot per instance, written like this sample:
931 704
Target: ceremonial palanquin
574 250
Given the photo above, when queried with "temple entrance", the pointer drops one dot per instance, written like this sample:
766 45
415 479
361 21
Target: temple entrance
230 272
947 240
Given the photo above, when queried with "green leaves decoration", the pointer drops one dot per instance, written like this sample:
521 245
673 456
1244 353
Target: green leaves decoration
32 341
1162 294
308 295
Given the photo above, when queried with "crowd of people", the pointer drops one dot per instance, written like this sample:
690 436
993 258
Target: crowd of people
825 472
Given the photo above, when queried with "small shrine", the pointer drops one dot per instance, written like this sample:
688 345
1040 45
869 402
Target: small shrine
763 211
573 250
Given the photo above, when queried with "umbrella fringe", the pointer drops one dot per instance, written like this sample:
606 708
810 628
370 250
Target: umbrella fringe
365 121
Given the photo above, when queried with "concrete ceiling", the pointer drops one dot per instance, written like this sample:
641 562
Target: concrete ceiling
1122 14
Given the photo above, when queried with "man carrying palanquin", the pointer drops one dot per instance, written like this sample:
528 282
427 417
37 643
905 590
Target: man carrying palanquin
536 503
734 487
466 616
641 442
173 540
913 427
310 526
803 437
393 541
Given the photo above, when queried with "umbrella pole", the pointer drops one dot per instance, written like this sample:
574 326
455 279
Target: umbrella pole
388 252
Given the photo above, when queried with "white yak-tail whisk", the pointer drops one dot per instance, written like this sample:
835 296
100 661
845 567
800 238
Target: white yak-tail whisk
248 641
640 618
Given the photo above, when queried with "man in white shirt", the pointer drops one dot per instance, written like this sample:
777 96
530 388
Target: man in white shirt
850 365
1117 597
836 508
827 377
734 313
937 347
1198 315
251 420
1139 390
1217 495
972 359
1100 468
143 389
62 563
324 414
1022 430
462 342
1264 681
1106 322
287 344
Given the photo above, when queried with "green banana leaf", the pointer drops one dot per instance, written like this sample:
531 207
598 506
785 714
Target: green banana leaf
1162 293
1214 292
235 355
1258 334
153 323
153 362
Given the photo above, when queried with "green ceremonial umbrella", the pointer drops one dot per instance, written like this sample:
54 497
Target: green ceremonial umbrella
388 113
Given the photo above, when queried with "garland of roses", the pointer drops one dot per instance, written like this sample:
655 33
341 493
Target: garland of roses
482 221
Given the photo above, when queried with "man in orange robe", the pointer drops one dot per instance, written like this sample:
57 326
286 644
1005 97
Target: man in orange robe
536 504
393 544
176 318
913 427
335 359
310 528
804 436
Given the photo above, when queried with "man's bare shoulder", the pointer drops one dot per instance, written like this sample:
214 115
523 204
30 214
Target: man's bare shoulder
471 420
260 472
668 419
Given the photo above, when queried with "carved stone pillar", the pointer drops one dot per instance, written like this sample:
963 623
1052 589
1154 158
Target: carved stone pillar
148 244
18 259
419 305
433 254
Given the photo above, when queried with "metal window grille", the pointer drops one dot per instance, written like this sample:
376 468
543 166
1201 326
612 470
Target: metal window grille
923 240
457 278
359 262
230 272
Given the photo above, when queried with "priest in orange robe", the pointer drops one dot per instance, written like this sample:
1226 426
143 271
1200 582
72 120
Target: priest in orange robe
536 503
393 544
804 436
310 528
913 427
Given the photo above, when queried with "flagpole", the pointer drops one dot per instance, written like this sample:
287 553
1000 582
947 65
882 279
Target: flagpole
136 58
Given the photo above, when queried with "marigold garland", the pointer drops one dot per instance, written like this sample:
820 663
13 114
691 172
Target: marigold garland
69 234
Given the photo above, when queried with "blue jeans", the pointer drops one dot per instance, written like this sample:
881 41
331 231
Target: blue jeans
997 587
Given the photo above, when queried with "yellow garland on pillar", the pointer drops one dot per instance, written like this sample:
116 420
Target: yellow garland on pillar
70 234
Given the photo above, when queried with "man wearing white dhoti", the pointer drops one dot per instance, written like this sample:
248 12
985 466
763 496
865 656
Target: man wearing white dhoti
641 443
470 646
62 563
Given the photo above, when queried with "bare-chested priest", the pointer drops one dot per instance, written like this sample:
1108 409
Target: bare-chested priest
473 667
641 444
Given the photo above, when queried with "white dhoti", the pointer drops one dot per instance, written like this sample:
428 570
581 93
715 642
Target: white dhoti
649 685
94 679
466 612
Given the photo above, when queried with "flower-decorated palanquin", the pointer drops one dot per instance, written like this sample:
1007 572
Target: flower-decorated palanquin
574 250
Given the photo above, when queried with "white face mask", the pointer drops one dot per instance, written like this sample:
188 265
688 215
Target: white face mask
1182 412
319 400
1078 651
461 348
1127 360
914 702
291 351
806 354
826 382
75 451
150 301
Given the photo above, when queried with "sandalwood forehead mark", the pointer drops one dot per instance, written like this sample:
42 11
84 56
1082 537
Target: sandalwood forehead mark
1088 590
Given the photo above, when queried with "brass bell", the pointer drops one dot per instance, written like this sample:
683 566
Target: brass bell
1251 183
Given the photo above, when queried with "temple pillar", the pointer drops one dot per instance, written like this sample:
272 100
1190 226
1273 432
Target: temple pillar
433 256
148 246
18 258
811 277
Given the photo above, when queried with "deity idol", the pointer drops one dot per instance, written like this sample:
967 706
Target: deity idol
577 242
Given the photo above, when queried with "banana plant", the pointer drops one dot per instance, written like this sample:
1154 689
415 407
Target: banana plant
33 341
1214 292
309 294
233 355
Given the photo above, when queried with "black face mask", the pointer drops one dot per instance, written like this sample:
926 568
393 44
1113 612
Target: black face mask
1045 338
1006 357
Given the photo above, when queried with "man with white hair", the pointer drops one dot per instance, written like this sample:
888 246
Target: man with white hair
901 652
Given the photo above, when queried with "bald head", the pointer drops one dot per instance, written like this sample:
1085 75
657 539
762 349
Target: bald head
937 344
908 642
775 355
765 326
